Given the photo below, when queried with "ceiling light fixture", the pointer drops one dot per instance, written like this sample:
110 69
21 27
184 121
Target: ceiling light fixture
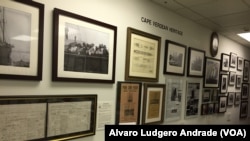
245 36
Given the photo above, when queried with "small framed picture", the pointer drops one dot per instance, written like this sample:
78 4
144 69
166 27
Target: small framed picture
232 77
212 71
214 95
233 60
153 103
246 70
223 83
222 104
225 62
243 109
210 108
244 91
238 81
206 95
230 98
237 98
195 62
240 63
204 109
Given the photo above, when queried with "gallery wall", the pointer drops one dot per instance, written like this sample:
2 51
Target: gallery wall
124 14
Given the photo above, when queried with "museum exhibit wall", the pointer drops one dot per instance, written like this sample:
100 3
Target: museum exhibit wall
124 14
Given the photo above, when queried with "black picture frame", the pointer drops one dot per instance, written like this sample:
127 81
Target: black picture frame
211 73
246 70
223 83
225 59
76 59
230 98
222 104
240 63
174 58
237 98
196 60
233 60
22 59
239 79
232 78
128 103
244 91
243 109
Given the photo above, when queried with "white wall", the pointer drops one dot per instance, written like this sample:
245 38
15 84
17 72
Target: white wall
123 14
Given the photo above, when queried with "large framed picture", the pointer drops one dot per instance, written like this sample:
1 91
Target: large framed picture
196 61
153 103
246 69
222 104
243 109
128 103
84 49
233 60
21 40
174 59
223 83
142 56
244 91
225 59
212 71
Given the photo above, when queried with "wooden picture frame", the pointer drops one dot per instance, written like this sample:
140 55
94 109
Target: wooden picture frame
223 83
21 54
232 78
196 60
211 73
222 104
243 109
153 103
175 58
244 91
128 103
246 70
225 59
142 56
240 63
237 98
84 49
230 98
233 60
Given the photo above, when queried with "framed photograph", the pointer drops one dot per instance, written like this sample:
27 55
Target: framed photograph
232 78
223 83
243 109
153 103
244 91
214 95
142 56
21 40
210 108
230 98
222 104
225 59
192 99
240 63
206 95
174 59
237 98
84 49
246 70
238 81
128 103
196 61
204 109
212 71
233 60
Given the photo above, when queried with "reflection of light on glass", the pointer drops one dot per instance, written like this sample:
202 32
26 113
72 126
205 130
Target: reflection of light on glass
24 38
215 44
245 36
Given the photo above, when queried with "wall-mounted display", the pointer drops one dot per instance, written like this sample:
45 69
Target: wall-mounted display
237 98
246 69
173 104
192 99
240 63
128 103
153 103
174 59
233 60
243 109
54 117
244 91
225 59
84 50
222 104
196 62
232 78
230 98
212 71
223 83
238 81
214 44
142 56
21 40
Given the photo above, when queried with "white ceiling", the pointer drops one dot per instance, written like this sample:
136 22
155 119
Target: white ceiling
227 17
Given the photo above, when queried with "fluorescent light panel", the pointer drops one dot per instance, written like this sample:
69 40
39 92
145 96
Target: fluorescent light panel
245 36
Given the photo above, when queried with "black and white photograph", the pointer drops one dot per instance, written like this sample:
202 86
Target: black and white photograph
230 98
244 91
222 104
233 60
225 59
238 81
192 99
19 44
240 63
246 70
210 108
214 95
86 52
237 98
196 61
174 62
243 109
223 83
206 95
212 71
232 78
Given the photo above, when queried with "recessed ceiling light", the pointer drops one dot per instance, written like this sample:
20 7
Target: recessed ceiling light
245 36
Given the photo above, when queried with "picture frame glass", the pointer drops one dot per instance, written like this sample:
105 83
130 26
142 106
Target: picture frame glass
212 70
196 59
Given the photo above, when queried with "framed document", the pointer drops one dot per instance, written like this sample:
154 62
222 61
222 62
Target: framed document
128 103
142 56
153 103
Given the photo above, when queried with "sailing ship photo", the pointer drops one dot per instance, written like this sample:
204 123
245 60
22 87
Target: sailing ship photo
15 37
